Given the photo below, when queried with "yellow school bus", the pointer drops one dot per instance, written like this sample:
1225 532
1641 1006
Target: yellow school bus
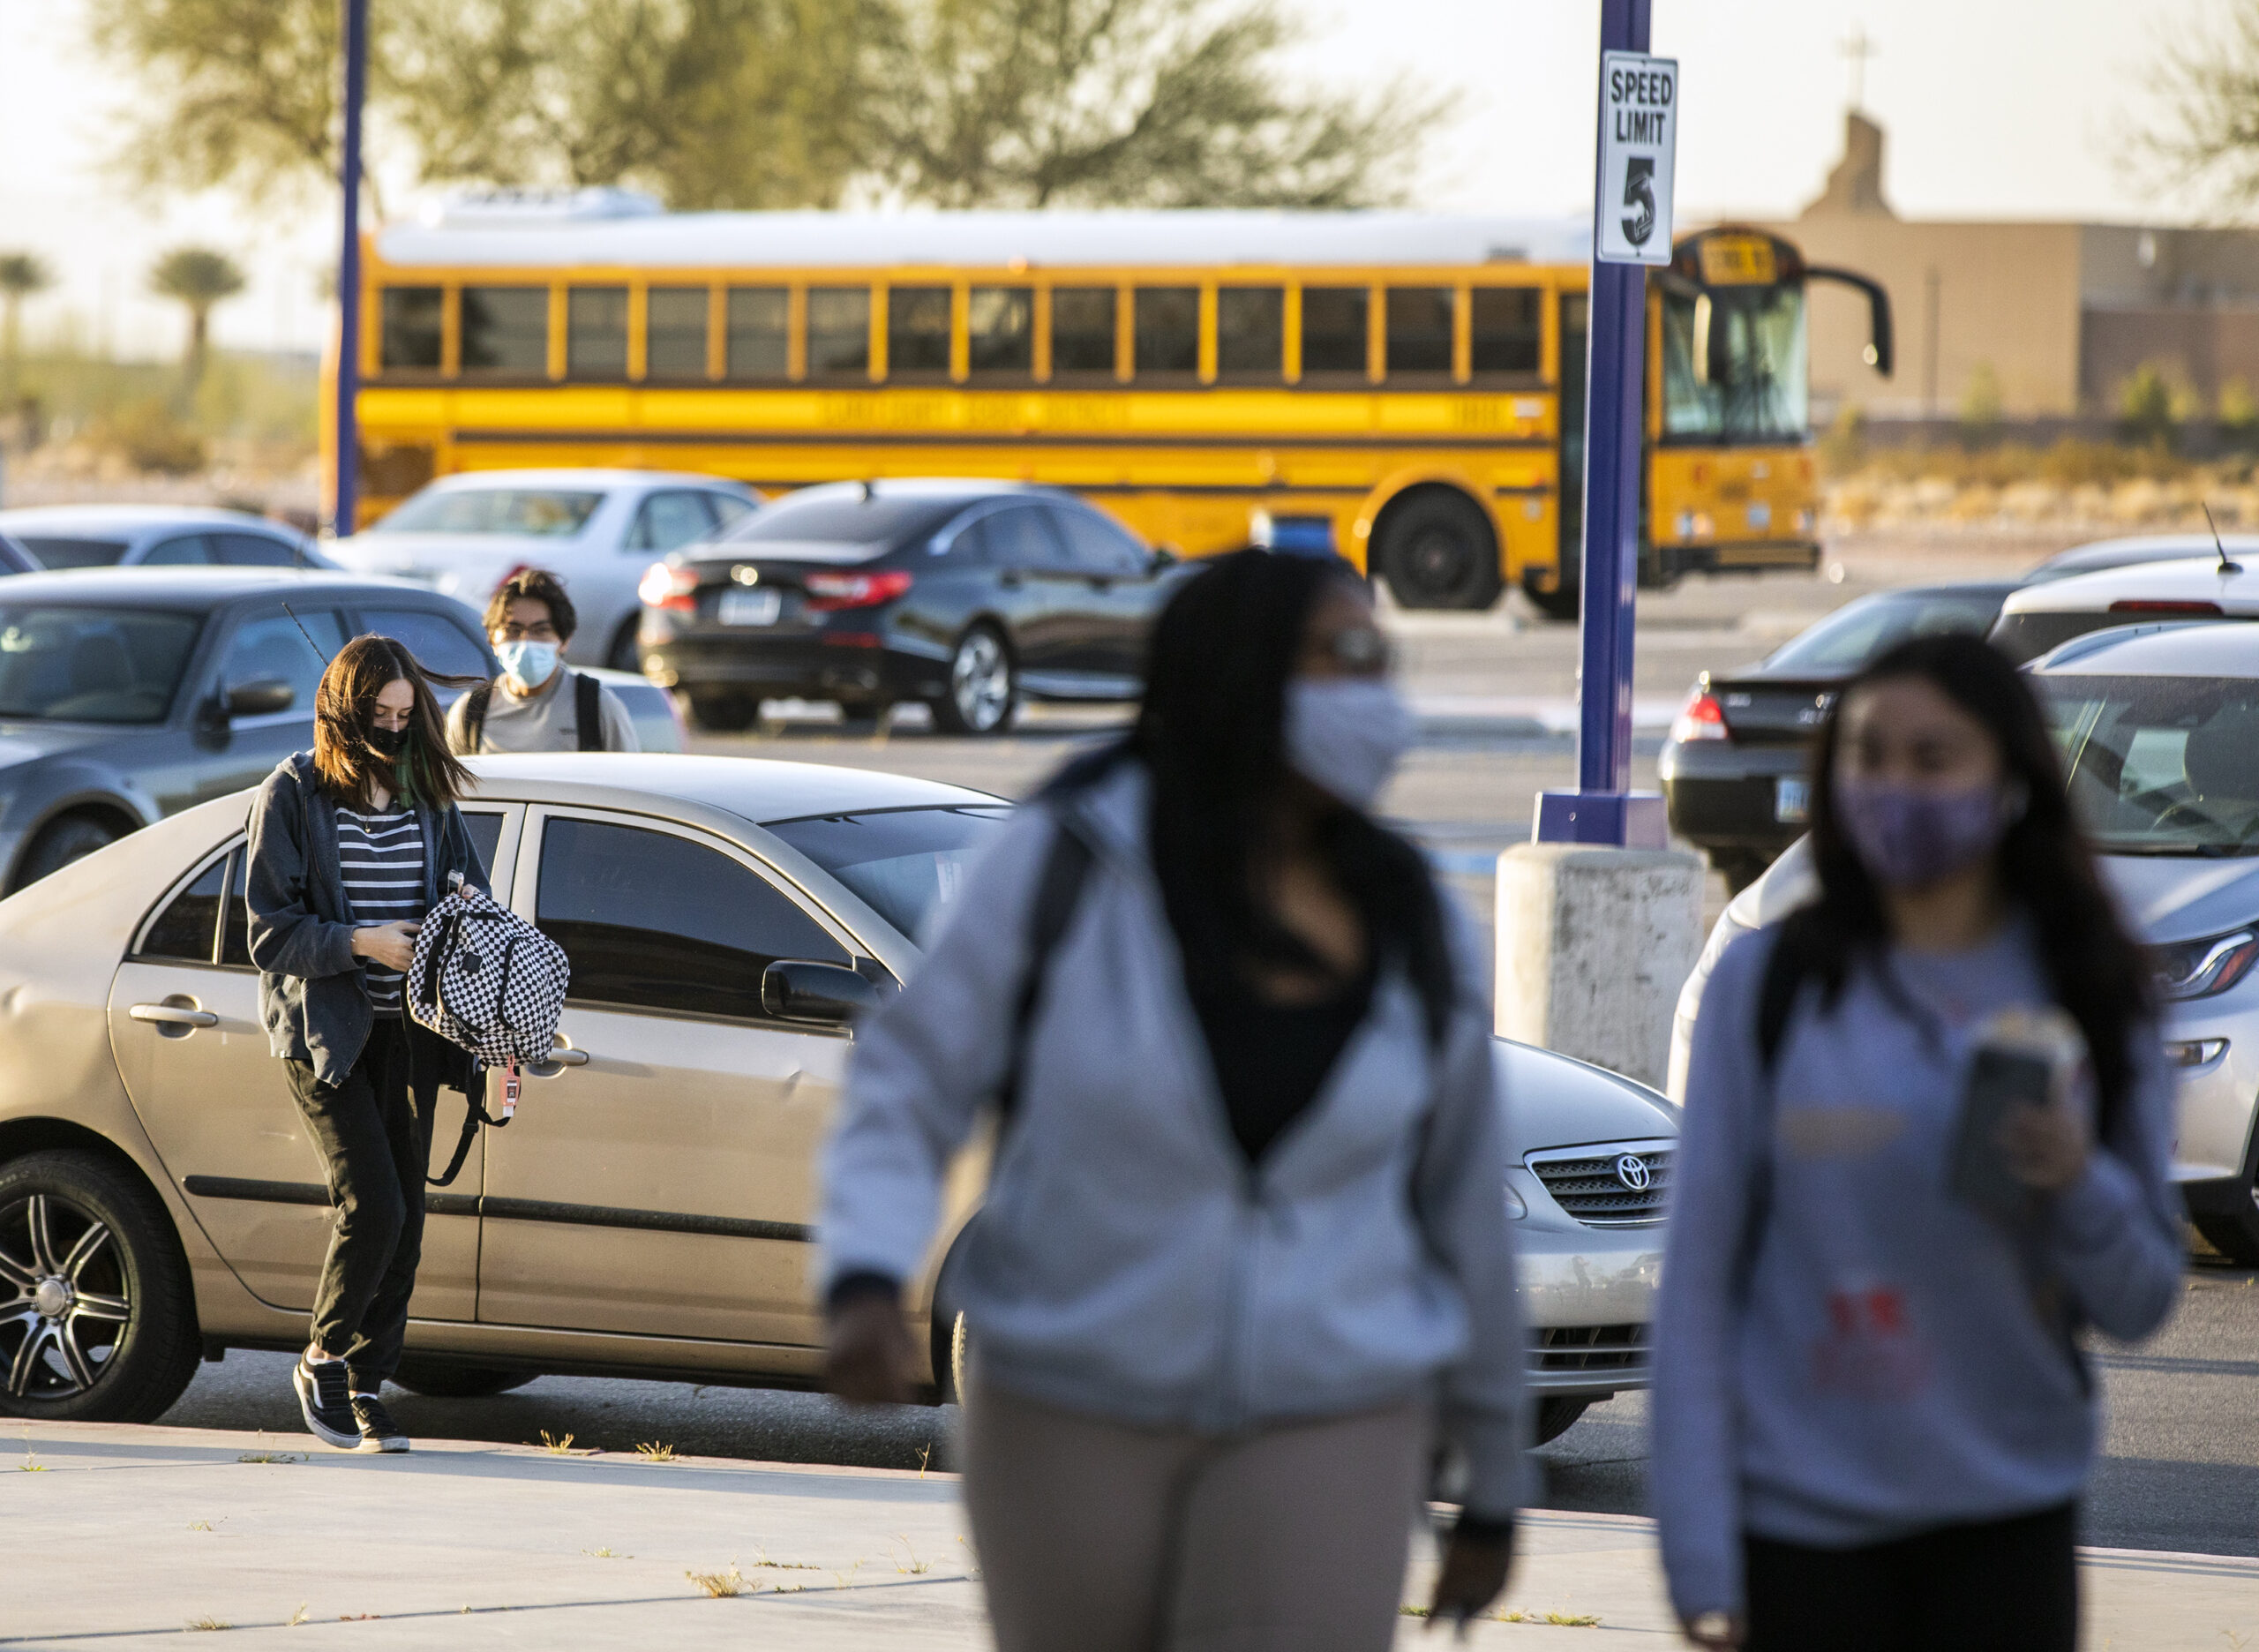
1412 383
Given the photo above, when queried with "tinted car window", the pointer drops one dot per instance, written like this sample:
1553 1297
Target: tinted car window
92 665
486 829
180 551
234 917
1018 537
437 642
251 550
727 508
1862 630
184 930
1095 545
668 520
14 559
845 519
905 864
2026 636
655 921
551 513
63 550
270 648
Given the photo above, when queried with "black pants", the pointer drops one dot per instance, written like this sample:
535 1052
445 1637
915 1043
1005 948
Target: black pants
2000 1586
374 1131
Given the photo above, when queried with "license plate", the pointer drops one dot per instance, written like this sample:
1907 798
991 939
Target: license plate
750 607
1792 800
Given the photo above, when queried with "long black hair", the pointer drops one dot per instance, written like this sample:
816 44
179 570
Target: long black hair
2045 866
1211 733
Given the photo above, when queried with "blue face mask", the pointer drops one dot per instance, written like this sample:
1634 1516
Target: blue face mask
530 663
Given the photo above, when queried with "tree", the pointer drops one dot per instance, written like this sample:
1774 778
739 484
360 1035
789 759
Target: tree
2208 80
1132 103
198 278
21 275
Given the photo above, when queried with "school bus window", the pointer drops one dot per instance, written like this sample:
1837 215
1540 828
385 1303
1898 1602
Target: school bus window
839 333
1001 323
760 324
917 333
1082 330
506 330
675 334
595 333
1505 330
1168 330
1333 331
1419 330
409 335
1250 333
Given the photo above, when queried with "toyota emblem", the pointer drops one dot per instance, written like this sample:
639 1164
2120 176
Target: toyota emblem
1631 1171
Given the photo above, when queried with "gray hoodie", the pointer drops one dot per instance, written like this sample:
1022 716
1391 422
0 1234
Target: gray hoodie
1130 1264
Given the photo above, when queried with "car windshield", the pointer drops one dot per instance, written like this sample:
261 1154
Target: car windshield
92 665
2159 765
905 863
1861 630
1756 392
61 550
844 520
546 513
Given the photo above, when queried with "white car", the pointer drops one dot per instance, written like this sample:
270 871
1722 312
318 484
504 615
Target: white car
68 537
598 530
2218 584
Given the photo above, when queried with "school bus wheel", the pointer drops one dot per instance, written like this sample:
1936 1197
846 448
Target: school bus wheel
1436 548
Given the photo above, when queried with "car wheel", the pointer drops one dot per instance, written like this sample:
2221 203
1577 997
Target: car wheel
1557 1415
625 653
2234 1234
442 1380
97 1320
983 696
945 1334
73 837
723 713
1438 550
1560 603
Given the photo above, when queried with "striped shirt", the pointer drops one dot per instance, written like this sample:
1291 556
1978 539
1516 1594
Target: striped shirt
382 857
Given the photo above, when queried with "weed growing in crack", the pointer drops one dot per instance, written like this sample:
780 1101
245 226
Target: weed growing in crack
655 1450
719 1585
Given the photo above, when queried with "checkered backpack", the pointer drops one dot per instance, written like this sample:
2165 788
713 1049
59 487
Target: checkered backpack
484 979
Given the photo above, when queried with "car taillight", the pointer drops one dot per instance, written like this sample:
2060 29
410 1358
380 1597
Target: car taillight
2194 610
1702 719
2204 969
665 586
828 592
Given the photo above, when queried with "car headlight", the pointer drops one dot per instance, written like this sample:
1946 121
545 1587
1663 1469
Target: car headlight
2205 968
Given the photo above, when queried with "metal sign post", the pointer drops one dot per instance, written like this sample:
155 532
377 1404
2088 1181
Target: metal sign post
345 480
1631 222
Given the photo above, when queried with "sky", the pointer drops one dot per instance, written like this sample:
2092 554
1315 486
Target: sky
1994 109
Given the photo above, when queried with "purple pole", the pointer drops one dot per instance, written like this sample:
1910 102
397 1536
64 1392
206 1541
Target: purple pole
345 491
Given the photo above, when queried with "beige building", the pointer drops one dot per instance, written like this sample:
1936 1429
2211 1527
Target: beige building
2055 316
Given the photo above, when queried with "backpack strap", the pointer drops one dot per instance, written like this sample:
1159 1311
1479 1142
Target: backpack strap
474 717
588 711
1065 868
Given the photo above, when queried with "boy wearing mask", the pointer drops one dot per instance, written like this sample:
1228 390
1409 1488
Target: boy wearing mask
536 705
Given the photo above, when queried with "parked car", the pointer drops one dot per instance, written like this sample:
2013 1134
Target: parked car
598 530
129 694
648 1211
61 537
1733 765
2160 729
2039 618
14 559
2137 549
964 595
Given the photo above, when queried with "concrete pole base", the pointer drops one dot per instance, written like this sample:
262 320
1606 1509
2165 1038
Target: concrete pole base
1594 944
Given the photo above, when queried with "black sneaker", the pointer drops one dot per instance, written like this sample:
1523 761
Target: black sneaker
324 1398
379 1432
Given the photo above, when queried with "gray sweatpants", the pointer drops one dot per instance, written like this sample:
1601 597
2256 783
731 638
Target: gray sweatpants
1098 1538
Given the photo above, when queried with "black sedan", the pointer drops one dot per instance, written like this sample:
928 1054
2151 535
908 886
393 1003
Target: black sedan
964 595
1734 770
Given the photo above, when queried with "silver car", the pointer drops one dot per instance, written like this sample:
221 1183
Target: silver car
2159 728
648 1211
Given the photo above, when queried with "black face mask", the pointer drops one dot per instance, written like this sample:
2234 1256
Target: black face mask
386 743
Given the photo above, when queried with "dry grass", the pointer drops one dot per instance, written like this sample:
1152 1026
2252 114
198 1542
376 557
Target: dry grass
909 1566
719 1585
1558 1621
295 1617
209 1622
271 1457
564 1447
655 1450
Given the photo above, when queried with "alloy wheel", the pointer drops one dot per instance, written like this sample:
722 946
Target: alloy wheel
64 1302
980 681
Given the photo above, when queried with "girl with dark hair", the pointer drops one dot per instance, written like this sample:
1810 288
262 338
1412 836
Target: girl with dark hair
1244 1250
1871 1416
351 844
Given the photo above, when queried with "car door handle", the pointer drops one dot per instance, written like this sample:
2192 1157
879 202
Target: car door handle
554 1064
173 1015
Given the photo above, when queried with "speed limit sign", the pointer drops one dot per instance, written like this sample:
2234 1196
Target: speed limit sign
1639 135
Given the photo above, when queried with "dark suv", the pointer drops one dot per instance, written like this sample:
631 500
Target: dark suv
964 595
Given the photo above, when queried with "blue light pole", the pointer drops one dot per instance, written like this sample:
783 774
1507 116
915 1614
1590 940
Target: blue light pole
1603 808
345 482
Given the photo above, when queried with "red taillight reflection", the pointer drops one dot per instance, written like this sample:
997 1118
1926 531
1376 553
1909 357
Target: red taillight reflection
830 592
2151 606
670 588
1701 719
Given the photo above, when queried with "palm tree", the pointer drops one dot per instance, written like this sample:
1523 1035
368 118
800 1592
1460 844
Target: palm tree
198 278
21 275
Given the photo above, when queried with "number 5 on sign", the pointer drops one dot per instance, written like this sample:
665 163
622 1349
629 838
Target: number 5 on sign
1639 137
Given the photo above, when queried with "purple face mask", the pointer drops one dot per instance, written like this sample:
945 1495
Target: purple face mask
1906 837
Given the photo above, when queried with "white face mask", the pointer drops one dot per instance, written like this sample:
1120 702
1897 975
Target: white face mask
1347 734
528 663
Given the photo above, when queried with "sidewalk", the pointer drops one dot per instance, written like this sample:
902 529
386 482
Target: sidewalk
126 1536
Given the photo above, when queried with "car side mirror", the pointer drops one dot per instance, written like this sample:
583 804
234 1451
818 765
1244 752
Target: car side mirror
1161 559
823 994
262 698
